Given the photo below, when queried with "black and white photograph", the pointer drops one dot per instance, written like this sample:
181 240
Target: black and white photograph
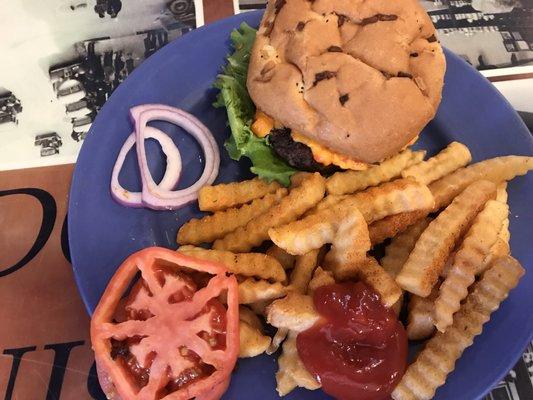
62 59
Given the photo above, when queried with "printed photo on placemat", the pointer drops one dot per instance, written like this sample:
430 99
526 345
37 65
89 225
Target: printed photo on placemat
61 60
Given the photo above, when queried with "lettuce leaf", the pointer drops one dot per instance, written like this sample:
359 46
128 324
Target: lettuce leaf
240 108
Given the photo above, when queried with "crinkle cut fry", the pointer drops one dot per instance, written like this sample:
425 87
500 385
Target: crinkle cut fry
454 156
475 247
438 358
227 195
424 265
251 341
392 225
300 199
295 312
291 371
212 227
352 181
420 315
252 291
285 259
496 170
257 265
303 271
320 278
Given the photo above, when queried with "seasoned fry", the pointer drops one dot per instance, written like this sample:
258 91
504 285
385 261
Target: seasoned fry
285 259
501 193
251 341
248 316
327 202
438 358
499 249
303 271
247 264
298 201
226 195
455 156
279 337
424 265
371 273
291 371
321 277
251 291
496 170
397 307
475 247
392 225
420 315
211 227
295 312
344 228
259 306
352 181
397 252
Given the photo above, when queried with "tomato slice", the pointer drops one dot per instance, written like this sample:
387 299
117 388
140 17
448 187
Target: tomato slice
170 337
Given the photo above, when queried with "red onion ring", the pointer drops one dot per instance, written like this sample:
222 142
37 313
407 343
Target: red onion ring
157 197
170 178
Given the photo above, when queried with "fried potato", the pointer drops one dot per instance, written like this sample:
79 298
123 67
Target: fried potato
420 315
397 307
352 181
475 247
392 225
455 156
251 341
291 371
344 228
226 195
279 337
496 170
397 252
251 291
371 273
247 315
246 264
320 278
295 312
298 201
438 358
212 227
327 202
499 249
285 259
303 271
501 193
424 265
259 306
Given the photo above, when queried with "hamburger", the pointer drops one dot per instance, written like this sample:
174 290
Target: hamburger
332 84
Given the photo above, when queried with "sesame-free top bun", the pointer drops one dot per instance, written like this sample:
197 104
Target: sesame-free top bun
360 77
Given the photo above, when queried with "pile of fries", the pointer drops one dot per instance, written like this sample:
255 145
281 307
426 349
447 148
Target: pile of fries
446 225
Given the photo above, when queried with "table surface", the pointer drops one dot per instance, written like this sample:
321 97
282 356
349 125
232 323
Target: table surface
44 335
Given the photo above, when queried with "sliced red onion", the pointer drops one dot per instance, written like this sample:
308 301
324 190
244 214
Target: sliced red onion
172 171
155 196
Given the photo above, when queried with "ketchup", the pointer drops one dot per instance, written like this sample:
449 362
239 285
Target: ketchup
358 349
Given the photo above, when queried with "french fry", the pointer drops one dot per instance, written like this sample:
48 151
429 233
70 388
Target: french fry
392 225
251 341
259 306
212 227
246 264
496 170
247 315
227 195
397 307
303 271
279 337
298 201
420 311
344 228
371 273
475 247
252 291
327 202
438 358
455 156
424 265
353 181
285 259
294 312
320 278
291 371
501 192
397 252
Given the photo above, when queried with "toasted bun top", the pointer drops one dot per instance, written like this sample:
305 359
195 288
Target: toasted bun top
361 77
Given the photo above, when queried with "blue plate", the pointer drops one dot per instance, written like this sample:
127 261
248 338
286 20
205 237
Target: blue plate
103 233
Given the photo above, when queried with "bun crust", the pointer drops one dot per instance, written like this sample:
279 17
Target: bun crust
360 77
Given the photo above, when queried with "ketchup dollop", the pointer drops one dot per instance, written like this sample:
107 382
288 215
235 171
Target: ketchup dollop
358 349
